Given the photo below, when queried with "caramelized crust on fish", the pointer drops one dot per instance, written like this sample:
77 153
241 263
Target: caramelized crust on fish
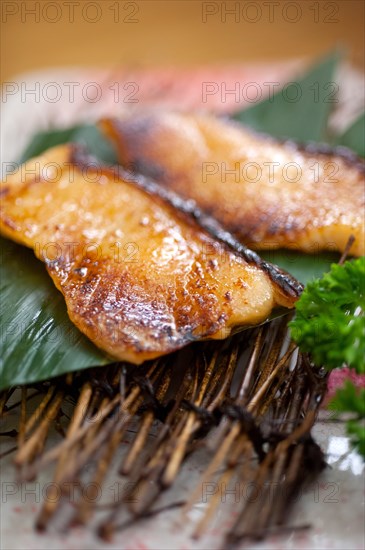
267 193
140 277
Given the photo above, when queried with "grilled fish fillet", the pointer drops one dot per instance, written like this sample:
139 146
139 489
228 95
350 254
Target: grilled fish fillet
140 278
268 194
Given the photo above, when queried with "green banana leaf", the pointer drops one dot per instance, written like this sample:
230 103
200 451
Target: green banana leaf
38 341
87 134
305 267
300 110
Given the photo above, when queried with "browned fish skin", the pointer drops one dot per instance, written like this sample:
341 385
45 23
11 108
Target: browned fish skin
268 194
140 278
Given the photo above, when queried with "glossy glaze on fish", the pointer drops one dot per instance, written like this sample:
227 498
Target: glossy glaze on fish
267 193
140 277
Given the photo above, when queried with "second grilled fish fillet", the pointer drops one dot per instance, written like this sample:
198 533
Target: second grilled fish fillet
140 278
268 194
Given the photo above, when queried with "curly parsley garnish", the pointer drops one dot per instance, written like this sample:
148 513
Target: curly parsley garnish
330 325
